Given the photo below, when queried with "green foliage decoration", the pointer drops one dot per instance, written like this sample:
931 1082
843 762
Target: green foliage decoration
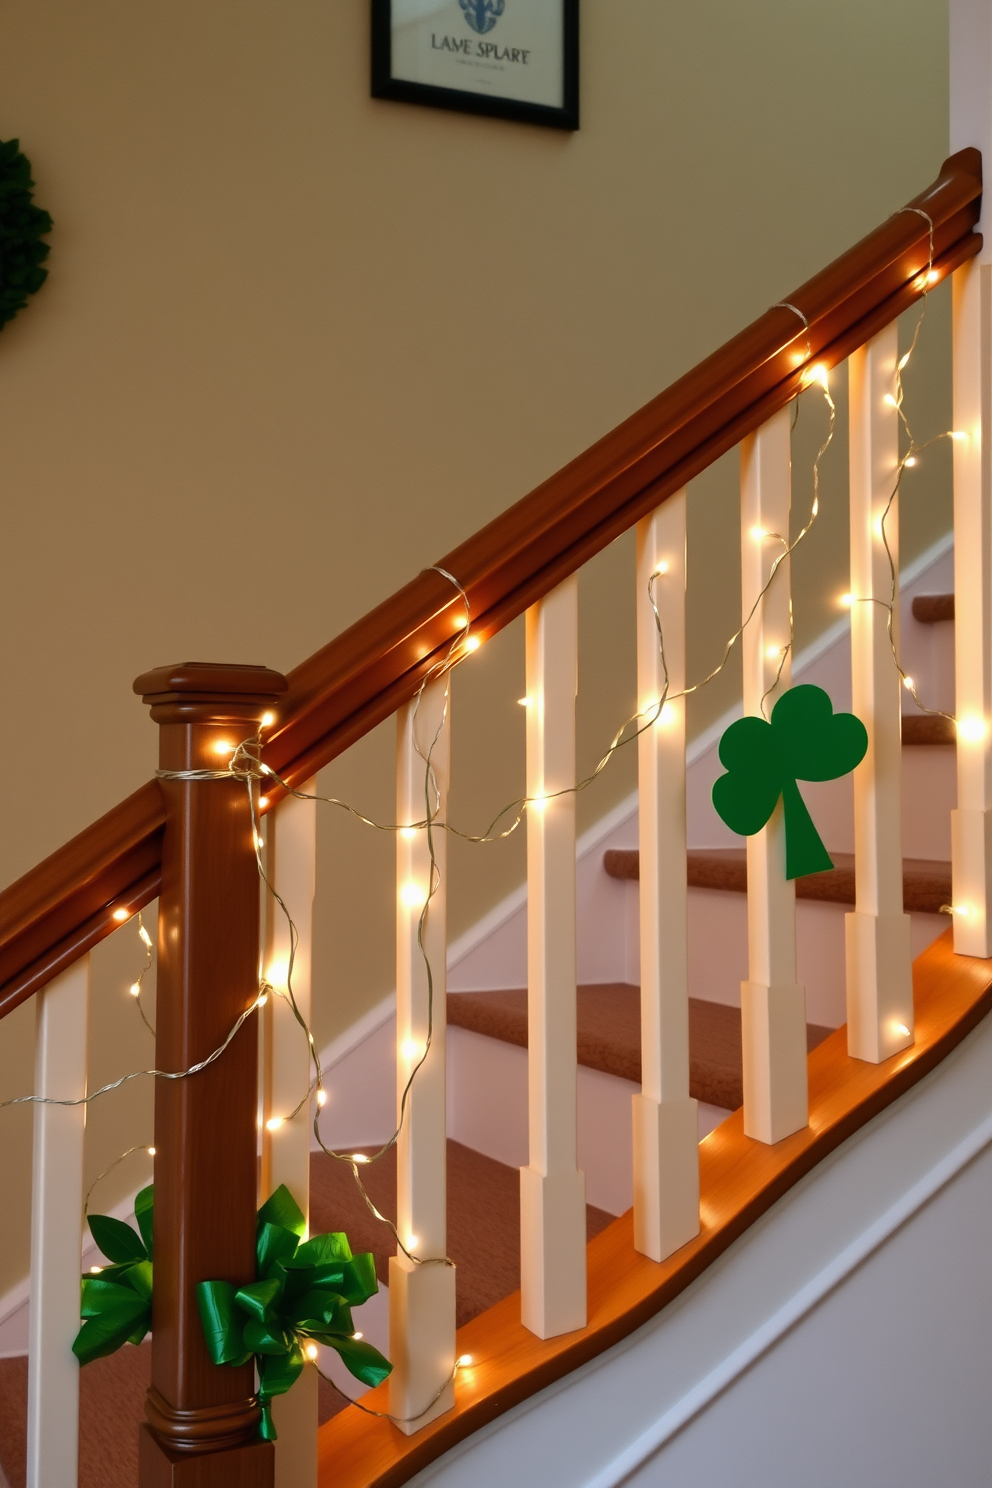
804 740
23 226
304 1292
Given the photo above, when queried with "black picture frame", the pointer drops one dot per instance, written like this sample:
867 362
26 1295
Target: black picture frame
384 85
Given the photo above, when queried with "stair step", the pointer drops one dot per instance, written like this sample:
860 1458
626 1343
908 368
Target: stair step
609 1029
930 609
926 885
928 728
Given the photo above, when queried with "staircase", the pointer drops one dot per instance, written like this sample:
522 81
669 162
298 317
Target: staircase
654 1268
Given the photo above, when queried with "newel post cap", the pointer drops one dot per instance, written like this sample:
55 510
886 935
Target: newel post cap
208 681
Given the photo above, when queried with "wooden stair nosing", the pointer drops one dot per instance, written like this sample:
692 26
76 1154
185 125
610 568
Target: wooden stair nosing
740 1179
926 882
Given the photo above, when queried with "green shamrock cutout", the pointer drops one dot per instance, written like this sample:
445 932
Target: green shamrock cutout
805 740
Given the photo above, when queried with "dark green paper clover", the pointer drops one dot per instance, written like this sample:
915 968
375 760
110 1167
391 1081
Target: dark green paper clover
805 740
304 1292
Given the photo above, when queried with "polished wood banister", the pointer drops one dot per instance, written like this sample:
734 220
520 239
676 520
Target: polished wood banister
363 676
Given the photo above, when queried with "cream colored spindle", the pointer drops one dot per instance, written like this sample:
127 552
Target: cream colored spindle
879 957
56 1230
552 1189
971 823
666 1134
421 1297
773 1004
291 830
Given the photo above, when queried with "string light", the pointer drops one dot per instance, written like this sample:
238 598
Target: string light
120 915
275 1122
408 832
971 729
472 643
268 719
846 601
524 702
311 1351
322 1097
901 1028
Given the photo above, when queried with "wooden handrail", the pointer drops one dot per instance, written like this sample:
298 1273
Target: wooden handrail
64 905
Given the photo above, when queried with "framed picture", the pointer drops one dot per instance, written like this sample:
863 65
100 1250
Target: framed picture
517 59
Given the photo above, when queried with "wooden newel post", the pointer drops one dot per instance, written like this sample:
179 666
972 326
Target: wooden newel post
202 1426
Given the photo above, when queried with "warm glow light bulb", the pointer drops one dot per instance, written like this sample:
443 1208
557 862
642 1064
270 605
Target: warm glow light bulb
846 601
358 1336
411 1049
120 915
524 702
322 1097
909 460
773 652
135 989
359 1157
932 278
958 434
311 1351
268 719
151 1152
971 729
95 1270
464 1361
901 1028
907 682
223 746
537 803
462 622
759 534
263 801
890 400
961 909
411 1241
662 568
144 936
413 896
472 643
408 832
275 1122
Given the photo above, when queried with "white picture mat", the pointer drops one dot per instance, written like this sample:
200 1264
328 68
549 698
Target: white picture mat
521 57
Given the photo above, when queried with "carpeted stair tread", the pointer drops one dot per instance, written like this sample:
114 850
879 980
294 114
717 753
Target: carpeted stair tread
609 1022
930 609
928 728
483 1219
926 883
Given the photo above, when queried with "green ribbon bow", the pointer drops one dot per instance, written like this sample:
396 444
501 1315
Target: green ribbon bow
304 1291
805 740
117 1301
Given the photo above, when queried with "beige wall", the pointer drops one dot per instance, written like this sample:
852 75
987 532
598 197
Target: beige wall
297 343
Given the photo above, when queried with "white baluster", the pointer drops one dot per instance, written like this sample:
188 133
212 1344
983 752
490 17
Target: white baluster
56 1230
291 852
552 1189
879 956
971 823
666 1135
773 1004
421 1297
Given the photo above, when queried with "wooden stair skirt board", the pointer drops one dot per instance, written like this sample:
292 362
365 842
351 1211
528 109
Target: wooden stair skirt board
609 1017
740 1180
926 885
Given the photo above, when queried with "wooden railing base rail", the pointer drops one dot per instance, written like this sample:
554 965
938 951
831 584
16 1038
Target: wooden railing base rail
740 1180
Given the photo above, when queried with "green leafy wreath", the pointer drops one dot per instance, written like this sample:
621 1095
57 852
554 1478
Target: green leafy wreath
22 228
